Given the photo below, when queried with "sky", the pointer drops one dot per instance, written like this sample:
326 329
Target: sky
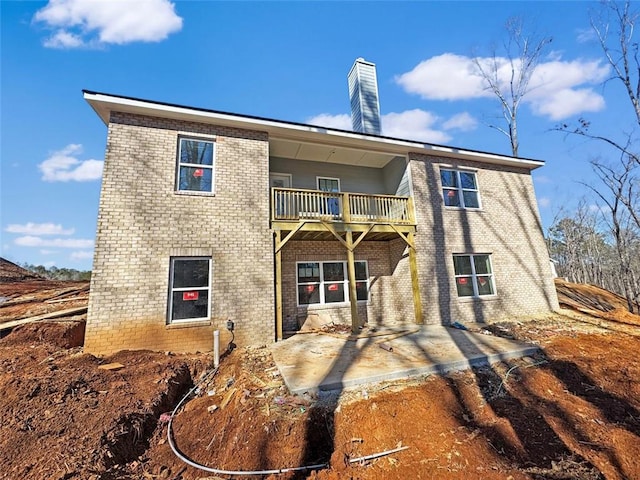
282 60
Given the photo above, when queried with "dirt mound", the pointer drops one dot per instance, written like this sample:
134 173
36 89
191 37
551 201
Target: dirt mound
570 412
594 301
42 299
67 334
61 416
10 272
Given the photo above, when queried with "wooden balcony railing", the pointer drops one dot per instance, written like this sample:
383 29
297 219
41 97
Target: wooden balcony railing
288 204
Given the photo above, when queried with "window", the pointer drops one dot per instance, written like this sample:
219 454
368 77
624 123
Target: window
327 282
330 204
196 160
190 289
474 276
459 189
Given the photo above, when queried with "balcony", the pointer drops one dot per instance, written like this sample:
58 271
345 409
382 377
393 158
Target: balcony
296 205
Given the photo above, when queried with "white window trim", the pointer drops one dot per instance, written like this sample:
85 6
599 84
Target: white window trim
211 167
461 190
321 283
327 178
278 174
170 321
474 276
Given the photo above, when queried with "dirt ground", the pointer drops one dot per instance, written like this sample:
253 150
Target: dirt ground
570 412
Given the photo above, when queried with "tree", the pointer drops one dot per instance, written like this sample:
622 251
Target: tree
620 51
508 77
619 188
616 183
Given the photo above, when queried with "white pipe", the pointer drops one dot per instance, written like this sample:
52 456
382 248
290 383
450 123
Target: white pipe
216 348
218 471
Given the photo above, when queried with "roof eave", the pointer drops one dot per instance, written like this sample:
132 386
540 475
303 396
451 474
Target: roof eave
104 104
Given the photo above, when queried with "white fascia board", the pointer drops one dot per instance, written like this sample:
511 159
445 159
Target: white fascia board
104 104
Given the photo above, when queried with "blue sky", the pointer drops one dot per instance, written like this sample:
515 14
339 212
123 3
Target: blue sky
282 60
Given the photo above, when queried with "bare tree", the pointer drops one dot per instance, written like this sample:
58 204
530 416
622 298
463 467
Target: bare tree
619 48
619 188
616 183
508 77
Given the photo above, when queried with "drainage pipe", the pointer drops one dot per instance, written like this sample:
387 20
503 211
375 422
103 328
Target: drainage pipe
216 348
219 471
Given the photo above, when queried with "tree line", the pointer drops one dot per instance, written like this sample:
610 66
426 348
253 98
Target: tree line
599 241
55 273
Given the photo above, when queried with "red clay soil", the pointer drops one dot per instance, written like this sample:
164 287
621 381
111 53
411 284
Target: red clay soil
32 297
570 412
595 301
62 417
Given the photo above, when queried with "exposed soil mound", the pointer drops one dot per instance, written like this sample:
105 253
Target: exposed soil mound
10 272
61 416
594 301
67 334
570 412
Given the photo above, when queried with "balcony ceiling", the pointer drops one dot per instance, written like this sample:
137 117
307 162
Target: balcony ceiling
327 153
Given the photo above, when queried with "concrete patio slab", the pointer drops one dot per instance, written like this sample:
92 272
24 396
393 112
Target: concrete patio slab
322 362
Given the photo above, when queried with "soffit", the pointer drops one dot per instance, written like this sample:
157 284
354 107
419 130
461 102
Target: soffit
327 153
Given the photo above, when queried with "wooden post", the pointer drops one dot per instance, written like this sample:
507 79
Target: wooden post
353 298
278 286
411 210
413 267
346 211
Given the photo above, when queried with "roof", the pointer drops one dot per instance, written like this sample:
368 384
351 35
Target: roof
284 134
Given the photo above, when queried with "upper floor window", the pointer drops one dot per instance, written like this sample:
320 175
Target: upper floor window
474 275
190 288
196 161
460 188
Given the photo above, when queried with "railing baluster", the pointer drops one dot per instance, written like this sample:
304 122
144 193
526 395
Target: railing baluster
292 204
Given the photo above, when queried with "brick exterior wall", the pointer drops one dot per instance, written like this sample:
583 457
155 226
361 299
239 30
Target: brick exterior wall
143 222
507 227
390 298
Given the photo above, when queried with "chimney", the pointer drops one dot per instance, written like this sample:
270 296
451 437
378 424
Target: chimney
363 95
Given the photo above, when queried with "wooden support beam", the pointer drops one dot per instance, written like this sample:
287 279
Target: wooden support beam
353 295
405 237
415 286
278 287
361 237
329 227
280 244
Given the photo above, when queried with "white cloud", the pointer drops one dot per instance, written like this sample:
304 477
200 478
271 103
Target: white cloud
544 202
585 35
462 121
542 179
31 228
341 121
33 241
416 124
63 39
63 166
47 252
87 23
81 255
444 77
558 89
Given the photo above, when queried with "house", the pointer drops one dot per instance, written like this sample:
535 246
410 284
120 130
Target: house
207 216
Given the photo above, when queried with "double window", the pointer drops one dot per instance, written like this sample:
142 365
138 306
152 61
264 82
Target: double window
196 162
327 282
459 188
473 275
190 289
